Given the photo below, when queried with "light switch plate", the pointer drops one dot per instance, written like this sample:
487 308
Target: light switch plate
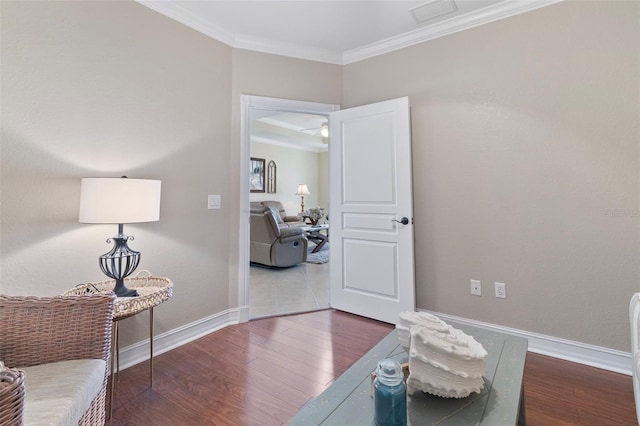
213 202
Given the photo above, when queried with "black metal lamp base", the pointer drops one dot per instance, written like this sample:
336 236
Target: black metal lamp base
120 262
121 290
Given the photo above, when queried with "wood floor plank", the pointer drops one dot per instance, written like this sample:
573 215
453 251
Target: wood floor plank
292 345
325 340
318 372
262 372
565 393
283 376
300 359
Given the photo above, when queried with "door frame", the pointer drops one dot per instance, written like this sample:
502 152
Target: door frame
249 103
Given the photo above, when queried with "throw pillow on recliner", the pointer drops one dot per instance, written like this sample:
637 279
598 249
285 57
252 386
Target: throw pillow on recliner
276 215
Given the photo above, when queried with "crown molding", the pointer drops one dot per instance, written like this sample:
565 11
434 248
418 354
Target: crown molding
443 28
288 49
173 10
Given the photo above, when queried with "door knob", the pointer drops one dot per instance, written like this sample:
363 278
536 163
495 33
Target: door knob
403 221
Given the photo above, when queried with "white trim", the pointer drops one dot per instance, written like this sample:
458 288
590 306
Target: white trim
247 104
243 314
582 353
288 49
508 8
139 351
443 28
243 231
288 105
291 145
594 356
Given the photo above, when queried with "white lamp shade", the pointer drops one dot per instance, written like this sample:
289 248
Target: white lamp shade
119 200
303 190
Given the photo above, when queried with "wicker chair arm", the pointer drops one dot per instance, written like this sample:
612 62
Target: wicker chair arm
39 330
11 396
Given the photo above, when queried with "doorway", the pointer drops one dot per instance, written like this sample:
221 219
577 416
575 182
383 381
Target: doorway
272 130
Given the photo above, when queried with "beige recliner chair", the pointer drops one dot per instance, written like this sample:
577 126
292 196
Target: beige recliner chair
283 219
273 245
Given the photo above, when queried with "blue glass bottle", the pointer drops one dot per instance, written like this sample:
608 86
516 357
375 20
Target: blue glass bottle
390 394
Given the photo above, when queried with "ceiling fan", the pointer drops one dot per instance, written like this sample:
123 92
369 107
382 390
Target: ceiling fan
324 129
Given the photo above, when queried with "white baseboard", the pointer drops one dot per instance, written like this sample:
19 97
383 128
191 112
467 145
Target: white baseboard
582 353
591 355
243 313
139 352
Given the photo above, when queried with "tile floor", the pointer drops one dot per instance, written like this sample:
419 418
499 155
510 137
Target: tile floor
300 288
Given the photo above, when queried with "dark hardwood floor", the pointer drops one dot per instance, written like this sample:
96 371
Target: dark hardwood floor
262 372
560 392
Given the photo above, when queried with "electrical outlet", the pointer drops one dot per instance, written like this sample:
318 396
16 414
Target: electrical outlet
501 290
476 288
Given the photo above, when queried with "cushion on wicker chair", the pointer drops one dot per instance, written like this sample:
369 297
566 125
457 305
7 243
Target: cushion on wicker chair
59 393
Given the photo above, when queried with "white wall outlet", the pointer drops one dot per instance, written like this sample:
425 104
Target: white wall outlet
476 287
501 290
213 202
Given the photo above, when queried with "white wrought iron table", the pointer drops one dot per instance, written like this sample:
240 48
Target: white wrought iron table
152 292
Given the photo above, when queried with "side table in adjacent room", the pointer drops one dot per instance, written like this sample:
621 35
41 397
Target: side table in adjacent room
314 234
152 291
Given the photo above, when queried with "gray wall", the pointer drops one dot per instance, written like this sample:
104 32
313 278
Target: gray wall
93 89
525 166
525 139
112 88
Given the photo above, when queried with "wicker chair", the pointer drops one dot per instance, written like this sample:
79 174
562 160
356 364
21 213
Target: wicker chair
41 330
11 396
634 317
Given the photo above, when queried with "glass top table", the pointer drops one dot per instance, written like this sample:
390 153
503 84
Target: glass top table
314 233
348 400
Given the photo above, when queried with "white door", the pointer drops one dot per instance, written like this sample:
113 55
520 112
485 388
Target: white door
371 255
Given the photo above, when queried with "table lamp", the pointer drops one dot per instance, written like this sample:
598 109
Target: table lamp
119 201
302 191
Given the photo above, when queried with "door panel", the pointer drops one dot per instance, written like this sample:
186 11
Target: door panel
371 257
379 279
370 157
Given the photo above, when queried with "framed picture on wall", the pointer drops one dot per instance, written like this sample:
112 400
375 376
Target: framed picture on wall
256 174
271 177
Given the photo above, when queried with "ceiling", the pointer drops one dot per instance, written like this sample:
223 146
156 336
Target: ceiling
289 129
335 31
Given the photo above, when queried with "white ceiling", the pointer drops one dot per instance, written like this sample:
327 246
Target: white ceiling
289 129
335 31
